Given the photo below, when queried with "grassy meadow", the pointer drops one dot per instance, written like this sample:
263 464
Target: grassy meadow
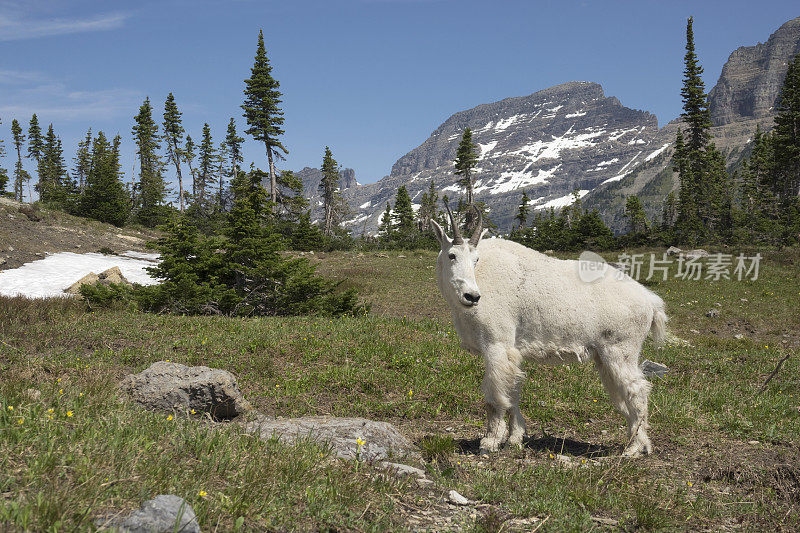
726 455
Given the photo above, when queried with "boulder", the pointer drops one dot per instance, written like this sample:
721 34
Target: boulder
712 313
165 513
673 250
175 387
651 369
380 439
29 212
89 279
113 275
696 253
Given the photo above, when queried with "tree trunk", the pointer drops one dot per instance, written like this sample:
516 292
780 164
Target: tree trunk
176 160
273 189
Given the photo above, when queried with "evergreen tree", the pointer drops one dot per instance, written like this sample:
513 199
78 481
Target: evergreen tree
173 135
329 190
188 156
522 212
785 181
3 171
386 226
670 212
403 213
292 203
234 143
695 101
83 160
637 219
20 175
152 188
428 209
262 112
104 197
465 161
704 200
205 169
222 171
53 186
306 236
35 140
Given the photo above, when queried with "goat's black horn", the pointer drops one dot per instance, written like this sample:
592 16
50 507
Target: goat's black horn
457 239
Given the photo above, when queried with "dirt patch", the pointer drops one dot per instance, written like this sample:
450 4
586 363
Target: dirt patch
23 240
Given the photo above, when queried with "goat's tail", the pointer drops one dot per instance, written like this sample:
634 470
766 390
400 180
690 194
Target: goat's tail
658 328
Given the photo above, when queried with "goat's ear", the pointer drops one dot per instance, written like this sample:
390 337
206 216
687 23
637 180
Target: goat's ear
439 233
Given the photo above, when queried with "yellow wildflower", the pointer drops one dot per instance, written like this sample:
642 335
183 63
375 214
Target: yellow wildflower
169 417
360 442
202 493
10 407
51 410
69 414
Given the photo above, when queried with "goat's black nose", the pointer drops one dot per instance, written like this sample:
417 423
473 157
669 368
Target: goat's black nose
472 298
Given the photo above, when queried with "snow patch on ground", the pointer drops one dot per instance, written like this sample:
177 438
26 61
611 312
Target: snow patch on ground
552 149
602 164
511 181
49 277
486 148
622 172
575 115
355 220
562 201
365 205
657 152
506 122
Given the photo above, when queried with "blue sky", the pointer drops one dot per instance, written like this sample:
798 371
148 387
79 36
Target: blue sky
370 78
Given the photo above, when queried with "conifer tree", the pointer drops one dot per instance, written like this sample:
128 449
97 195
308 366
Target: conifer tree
403 212
104 197
522 212
221 164
20 175
704 199
428 209
785 182
83 160
465 161
152 187
173 135
386 226
234 143
637 219
3 171
262 112
293 203
52 170
205 169
188 156
329 190
35 139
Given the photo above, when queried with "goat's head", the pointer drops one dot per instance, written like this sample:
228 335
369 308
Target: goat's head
457 259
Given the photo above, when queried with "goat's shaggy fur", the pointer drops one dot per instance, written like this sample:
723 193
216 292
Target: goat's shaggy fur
536 307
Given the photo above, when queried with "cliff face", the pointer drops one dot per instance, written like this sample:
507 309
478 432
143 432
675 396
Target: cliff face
549 143
752 77
570 137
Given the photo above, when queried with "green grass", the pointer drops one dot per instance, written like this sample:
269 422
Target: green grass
402 364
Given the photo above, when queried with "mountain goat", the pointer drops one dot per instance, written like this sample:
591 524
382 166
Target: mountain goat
516 303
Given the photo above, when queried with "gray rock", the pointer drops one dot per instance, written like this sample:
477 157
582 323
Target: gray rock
176 387
401 470
673 250
457 498
380 439
712 313
652 369
696 253
165 513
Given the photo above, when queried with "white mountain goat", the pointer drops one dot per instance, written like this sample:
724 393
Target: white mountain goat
516 303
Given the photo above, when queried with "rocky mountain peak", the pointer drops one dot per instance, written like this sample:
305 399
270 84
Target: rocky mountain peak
752 77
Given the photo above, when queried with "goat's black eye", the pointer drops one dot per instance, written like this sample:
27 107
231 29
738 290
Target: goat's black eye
452 257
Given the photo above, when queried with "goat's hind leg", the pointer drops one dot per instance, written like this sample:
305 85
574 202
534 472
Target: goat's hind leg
629 391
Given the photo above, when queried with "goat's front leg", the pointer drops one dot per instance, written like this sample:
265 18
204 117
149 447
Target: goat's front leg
498 386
